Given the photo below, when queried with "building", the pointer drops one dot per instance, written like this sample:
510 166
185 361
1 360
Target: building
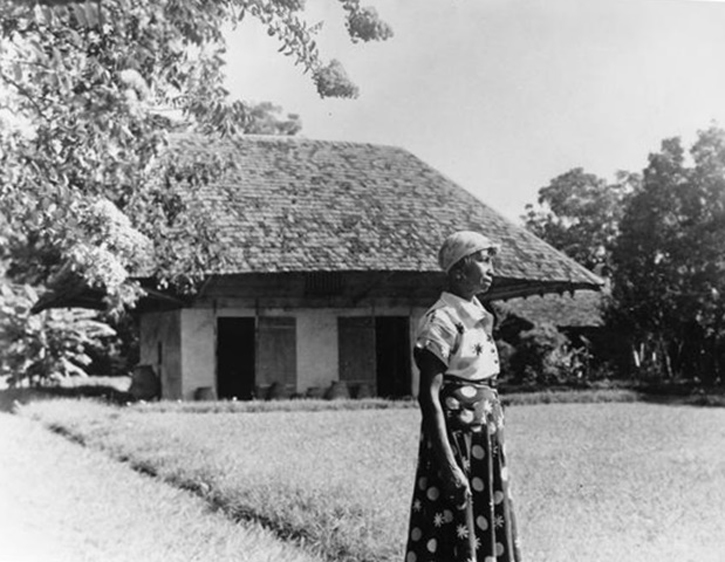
330 254
575 314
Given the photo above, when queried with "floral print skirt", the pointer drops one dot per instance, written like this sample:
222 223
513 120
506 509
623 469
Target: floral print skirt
485 529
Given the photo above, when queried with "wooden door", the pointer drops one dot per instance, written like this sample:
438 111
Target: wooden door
277 352
235 358
392 356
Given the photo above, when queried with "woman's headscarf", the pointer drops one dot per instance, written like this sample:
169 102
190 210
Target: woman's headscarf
461 244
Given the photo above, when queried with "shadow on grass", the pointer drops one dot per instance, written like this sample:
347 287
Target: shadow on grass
11 397
683 395
667 393
700 401
674 395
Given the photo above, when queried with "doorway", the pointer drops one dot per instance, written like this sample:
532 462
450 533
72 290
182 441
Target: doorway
392 356
235 358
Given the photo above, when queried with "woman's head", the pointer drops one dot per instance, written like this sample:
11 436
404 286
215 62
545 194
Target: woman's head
467 259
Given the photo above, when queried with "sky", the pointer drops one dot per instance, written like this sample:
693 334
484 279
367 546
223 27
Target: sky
502 96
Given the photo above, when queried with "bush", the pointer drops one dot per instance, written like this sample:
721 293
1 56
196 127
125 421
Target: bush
545 356
48 346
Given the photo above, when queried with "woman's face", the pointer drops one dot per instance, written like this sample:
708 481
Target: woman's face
476 273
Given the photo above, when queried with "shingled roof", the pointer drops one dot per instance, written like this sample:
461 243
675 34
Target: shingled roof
292 204
580 310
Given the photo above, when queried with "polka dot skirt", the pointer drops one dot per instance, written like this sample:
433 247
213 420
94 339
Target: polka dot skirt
485 530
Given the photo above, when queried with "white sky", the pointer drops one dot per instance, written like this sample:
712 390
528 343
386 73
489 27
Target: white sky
503 95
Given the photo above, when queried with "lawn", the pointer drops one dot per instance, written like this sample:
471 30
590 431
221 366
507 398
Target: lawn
63 503
592 482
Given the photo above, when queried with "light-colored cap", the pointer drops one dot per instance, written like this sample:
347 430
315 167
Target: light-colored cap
461 244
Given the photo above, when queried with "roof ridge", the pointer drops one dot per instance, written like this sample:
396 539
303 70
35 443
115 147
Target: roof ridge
300 139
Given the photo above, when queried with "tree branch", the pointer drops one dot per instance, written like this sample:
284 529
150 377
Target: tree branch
24 92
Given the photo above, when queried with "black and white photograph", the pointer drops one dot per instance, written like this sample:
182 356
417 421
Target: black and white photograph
362 280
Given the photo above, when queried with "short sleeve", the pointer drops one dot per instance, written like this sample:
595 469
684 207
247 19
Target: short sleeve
437 334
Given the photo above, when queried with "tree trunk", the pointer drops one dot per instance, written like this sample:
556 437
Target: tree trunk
666 359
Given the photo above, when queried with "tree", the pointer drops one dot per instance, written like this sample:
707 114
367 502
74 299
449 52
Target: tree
87 88
579 214
669 260
265 120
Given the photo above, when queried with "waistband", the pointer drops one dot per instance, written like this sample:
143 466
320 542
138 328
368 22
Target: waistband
489 382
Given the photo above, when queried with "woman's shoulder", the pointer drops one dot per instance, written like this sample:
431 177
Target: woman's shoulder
440 309
441 315
445 308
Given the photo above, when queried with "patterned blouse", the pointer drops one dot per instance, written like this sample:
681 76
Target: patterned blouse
459 333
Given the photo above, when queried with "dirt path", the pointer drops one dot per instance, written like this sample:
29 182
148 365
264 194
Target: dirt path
61 502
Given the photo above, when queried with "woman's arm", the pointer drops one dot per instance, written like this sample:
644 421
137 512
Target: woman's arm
434 422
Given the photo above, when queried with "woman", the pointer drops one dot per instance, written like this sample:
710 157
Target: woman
461 507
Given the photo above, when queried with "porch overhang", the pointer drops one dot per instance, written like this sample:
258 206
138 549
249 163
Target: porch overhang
419 288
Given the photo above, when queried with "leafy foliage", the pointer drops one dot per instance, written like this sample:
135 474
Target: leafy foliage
670 259
265 120
91 91
332 78
47 346
544 356
661 238
579 214
363 23
186 247
90 198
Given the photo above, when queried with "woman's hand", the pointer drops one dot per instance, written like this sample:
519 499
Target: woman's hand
455 486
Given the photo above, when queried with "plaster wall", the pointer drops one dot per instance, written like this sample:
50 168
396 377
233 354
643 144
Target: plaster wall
198 350
160 348
317 357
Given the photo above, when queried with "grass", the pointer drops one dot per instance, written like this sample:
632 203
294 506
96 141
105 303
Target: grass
289 470
115 390
261 406
315 405
621 482
594 482
11 397
65 503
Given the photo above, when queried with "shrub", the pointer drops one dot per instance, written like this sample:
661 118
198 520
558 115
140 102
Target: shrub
545 356
47 346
